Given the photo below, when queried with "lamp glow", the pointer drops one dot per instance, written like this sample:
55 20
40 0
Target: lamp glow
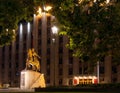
39 11
54 30
107 1
28 27
21 29
47 8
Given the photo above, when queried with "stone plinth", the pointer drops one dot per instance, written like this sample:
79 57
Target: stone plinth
31 79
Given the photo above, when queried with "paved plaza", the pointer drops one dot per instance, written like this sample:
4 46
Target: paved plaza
16 90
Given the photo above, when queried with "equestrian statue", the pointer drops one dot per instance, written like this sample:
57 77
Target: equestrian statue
32 61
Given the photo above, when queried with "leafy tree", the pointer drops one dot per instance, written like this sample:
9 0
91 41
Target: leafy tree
11 13
93 27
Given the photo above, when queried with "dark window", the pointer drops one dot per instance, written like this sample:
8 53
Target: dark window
85 70
3 65
80 62
48 80
60 60
10 47
3 56
48 41
24 46
48 61
70 71
48 21
17 65
48 31
9 64
39 24
70 82
61 39
102 59
101 70
9 58
39 52
60 71
39 32
17 73
48 50
3 49
71 60
17 38
39 42
114 80
60 81
24 37
60 50
71 51
25 55
9 75
17 46
114 69
48 71
80 70
16 55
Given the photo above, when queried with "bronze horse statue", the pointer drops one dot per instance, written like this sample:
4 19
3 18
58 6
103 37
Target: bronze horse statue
32 60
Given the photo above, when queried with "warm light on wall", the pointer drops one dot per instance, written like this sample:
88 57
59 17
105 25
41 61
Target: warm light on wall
39 11
28 27
21 29
47 8
85 80
44 10
107 1
7 30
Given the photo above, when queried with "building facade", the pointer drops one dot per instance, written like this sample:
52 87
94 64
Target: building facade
56 61
13 56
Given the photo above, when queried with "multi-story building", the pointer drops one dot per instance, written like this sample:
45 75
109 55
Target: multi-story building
56 61
13 56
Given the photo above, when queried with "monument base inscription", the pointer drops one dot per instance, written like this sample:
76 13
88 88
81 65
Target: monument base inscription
31 79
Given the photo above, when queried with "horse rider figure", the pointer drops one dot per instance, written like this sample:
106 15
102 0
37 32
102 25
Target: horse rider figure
32 60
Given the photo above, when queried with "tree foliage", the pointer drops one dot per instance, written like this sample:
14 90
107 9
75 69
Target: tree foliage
93 26
11 13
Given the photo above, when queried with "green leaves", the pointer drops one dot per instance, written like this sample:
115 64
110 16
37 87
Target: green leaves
12 12
93 26
6 37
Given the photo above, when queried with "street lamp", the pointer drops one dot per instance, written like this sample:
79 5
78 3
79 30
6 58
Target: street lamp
54 32
98 71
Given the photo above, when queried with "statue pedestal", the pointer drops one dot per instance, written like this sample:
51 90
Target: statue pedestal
31 79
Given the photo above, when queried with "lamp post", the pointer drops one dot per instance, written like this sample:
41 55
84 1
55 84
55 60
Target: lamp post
54 32
98 72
